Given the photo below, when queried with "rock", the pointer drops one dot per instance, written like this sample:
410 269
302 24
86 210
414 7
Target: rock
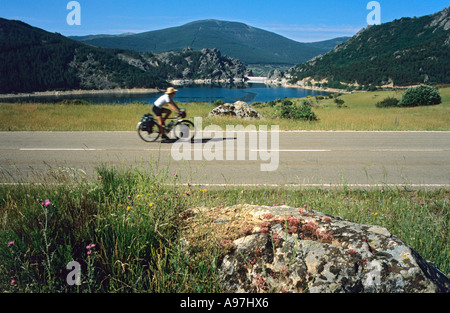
275 74
284 249
238 109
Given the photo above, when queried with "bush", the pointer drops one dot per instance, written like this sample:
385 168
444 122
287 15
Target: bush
218 102
292 111
339 102
422 95
388 102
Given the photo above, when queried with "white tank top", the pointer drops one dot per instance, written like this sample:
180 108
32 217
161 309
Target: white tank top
161 101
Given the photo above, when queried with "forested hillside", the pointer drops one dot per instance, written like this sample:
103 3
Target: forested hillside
32 59
403 52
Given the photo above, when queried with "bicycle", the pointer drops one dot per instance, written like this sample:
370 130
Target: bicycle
148 129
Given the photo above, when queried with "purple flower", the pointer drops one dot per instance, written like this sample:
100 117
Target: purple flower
46 203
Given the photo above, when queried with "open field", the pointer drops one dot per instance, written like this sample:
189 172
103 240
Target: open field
124 228
359 113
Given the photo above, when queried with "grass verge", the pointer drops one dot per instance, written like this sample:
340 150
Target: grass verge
125 230
357 113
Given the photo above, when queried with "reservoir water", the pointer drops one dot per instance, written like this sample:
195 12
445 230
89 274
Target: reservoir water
254 92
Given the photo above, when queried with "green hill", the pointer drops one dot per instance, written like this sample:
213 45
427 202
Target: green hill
249 44
403 52
32 59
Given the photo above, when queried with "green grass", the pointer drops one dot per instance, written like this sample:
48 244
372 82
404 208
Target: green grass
133 218
359 113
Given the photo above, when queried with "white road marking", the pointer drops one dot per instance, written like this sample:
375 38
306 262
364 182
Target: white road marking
59 149
323 185
289 150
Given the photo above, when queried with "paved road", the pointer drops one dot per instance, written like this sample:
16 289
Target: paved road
309 158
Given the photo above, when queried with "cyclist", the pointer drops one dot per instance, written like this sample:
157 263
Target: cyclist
159 110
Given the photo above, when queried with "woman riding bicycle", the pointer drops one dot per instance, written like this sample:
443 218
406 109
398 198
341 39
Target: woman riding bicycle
159 110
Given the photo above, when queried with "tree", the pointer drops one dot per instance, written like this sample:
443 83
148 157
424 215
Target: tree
421 95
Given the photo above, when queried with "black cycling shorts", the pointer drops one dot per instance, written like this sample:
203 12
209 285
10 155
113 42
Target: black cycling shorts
158 111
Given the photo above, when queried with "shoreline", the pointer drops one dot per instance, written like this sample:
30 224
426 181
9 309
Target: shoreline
80 92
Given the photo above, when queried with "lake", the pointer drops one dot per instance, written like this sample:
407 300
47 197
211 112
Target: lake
254 92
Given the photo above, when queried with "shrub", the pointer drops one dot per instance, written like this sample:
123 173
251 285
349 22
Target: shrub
388 102
339 102
422 95
218 102
295 112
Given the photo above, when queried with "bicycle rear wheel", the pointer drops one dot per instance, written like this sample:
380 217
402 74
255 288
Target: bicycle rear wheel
148 133
184 130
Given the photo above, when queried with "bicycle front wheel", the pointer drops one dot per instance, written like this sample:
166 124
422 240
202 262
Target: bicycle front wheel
184 130
148 133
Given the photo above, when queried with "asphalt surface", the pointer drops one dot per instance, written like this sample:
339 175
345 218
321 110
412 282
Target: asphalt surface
309 158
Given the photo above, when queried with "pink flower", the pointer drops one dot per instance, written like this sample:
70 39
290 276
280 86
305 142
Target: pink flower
46 203
11 243
90 246
13 281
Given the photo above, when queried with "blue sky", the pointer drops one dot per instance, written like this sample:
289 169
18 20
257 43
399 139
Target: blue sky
306 21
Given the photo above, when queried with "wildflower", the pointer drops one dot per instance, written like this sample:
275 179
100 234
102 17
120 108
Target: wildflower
129 208
351 251
89 247
151 204
46 203
10 244
13 281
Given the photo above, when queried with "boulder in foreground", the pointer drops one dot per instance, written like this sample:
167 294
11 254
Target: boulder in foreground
286 249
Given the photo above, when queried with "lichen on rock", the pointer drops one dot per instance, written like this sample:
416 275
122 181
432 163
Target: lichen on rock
286 249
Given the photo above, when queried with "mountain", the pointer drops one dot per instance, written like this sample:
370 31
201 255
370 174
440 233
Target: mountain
249 44
403 52
188 64
32 59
